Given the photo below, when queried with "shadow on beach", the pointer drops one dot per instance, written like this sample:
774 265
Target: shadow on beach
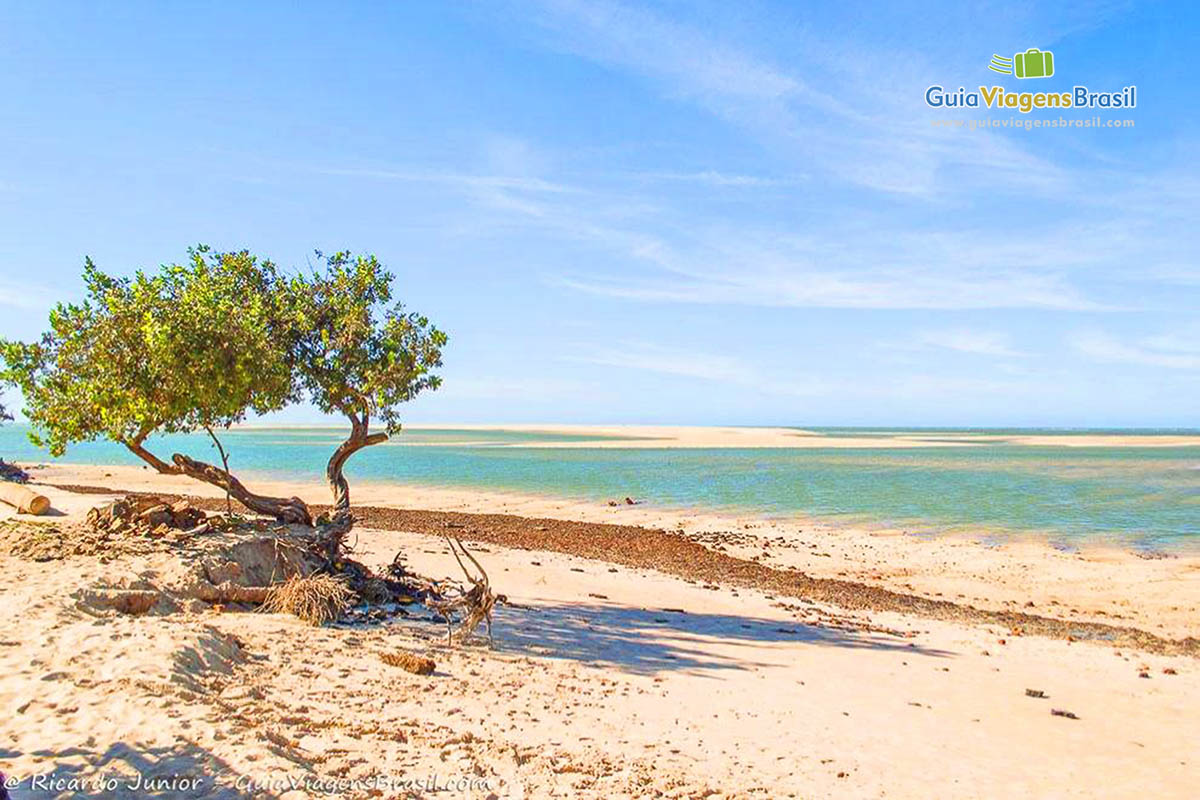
650 640
184 770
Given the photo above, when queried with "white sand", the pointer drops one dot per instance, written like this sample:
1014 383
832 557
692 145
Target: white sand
597 696
689 436
684 436
1099 583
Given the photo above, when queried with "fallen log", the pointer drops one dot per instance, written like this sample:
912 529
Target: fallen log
24 500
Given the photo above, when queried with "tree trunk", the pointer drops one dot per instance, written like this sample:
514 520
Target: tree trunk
340 518
358 439
290 510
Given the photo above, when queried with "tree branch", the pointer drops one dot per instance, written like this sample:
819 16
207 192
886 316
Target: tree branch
224 464
160 466
291 509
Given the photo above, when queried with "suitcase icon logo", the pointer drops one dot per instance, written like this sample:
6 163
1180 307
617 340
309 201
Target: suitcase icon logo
1033 63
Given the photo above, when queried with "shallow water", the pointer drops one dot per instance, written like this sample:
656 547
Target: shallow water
1131 496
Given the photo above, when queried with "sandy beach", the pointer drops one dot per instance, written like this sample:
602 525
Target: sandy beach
599 399
901 674
705 437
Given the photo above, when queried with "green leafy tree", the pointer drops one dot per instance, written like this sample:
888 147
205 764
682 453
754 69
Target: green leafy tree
359 354
194 346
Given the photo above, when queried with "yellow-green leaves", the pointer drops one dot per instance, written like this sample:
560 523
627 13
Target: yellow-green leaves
358 353
186 346
222 335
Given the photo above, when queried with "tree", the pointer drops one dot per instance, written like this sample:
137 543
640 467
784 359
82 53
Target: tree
192 347
359 354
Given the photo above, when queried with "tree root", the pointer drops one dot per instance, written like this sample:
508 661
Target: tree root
470 607
473 606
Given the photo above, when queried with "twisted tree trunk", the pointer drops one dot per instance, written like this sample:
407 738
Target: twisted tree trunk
290 509
360 437
341 520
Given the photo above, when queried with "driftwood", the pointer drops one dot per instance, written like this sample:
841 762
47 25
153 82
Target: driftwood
474 605
24 500
149 515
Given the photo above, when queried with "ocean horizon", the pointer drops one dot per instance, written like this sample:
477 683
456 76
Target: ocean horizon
1140 497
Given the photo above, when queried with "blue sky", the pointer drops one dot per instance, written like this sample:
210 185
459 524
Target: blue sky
722 213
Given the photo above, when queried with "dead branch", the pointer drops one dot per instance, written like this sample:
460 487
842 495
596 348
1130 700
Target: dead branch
473 606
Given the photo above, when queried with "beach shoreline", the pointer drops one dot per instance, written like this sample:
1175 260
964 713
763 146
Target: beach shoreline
671 437
632 657
1097 582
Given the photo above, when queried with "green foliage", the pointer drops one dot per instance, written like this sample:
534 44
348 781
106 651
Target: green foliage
357 353
202 344
196 344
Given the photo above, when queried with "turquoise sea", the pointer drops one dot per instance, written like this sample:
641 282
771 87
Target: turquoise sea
1141 497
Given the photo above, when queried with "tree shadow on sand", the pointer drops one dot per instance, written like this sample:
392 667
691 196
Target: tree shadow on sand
184 770
649 640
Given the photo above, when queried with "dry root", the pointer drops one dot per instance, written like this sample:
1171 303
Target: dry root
316 599
473 606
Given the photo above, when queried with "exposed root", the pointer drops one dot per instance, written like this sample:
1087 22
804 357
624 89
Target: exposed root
473 606
316 599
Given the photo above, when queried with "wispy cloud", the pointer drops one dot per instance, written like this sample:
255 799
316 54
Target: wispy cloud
663 249
28 296
691 259
974 342
686 362
453 179
853 116
1168 350
714 178
501 388
847 269
848 118
881 289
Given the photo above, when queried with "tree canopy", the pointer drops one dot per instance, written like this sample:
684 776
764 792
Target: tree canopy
193 346
200 345
358 353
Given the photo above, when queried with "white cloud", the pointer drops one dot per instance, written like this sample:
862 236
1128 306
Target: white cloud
847 268
27 296
704 262
1161 351
865 125
686 362
867 289
716 178
492 388
975 342
455 179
